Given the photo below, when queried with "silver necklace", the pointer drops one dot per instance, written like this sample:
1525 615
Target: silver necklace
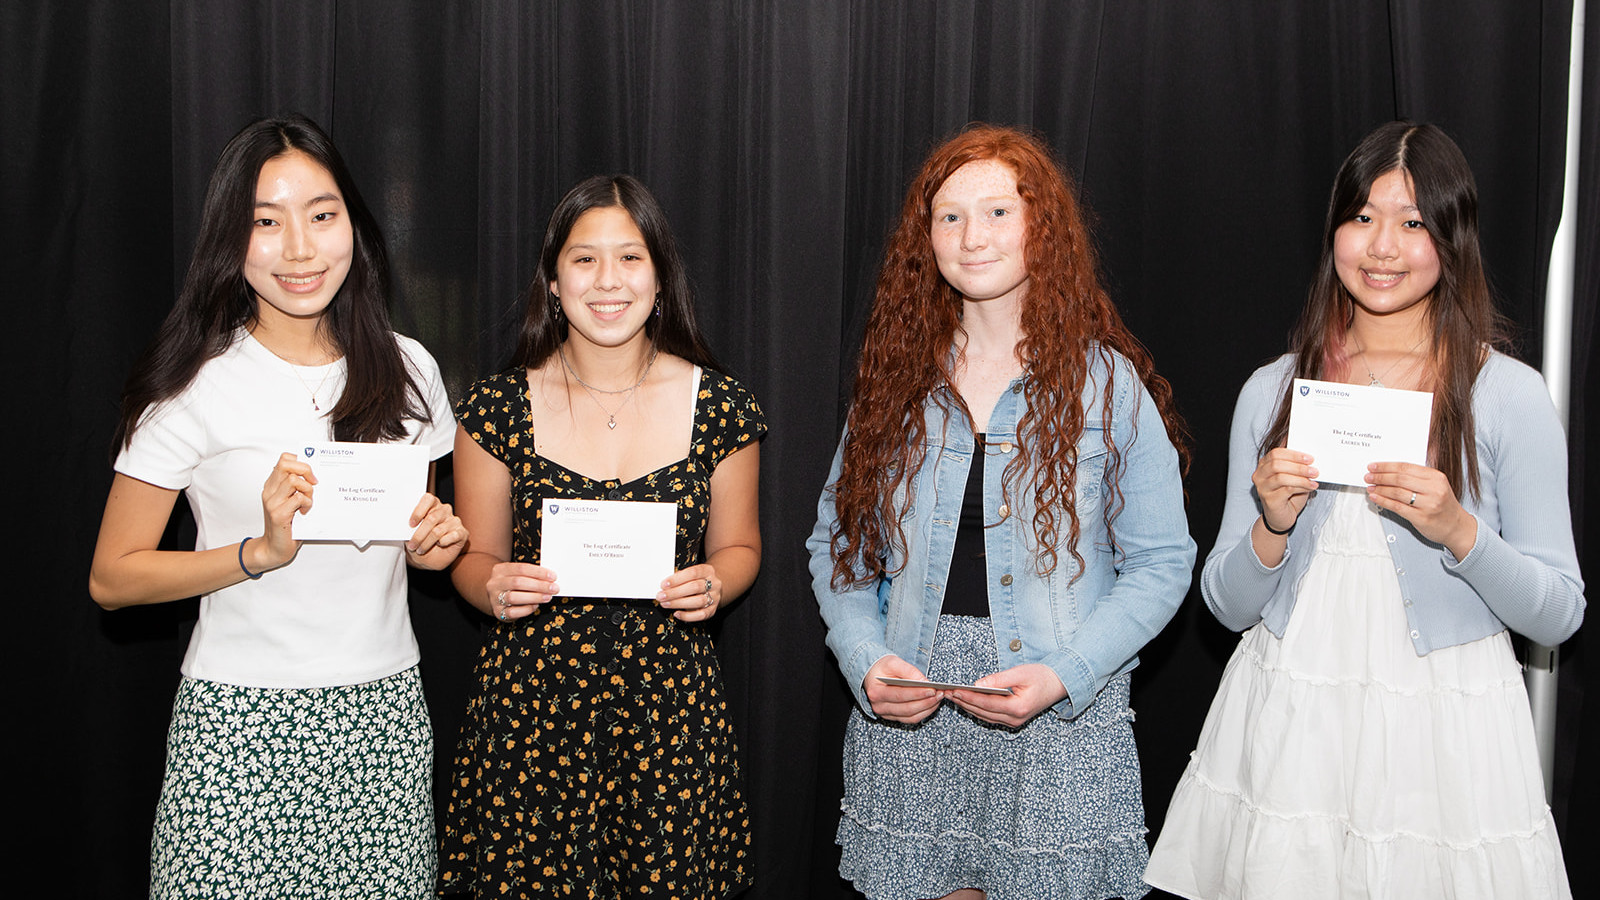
312 391
1377 381
594 392
295 368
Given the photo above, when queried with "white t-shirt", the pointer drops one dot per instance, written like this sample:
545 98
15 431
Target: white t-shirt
335 615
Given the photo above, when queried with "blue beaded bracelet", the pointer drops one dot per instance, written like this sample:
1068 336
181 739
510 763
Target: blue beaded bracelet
248 574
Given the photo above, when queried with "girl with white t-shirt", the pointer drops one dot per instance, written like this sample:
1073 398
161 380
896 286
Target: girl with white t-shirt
299 758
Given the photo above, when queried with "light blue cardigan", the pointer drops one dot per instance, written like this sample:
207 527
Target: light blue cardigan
1521 573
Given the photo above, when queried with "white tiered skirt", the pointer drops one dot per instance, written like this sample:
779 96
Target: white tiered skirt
1336 763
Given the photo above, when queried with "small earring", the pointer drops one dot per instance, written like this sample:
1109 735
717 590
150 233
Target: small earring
555 308
658 306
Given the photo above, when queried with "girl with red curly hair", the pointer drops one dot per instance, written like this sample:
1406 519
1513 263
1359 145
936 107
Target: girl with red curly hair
1002 531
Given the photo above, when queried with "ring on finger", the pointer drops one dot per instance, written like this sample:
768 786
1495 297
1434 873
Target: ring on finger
501 599
1413 500
708 587
709 601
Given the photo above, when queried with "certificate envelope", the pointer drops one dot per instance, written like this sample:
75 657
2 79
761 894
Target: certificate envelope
608 548
364 492
1346 426
942 685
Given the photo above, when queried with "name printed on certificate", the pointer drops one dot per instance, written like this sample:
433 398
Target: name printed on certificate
1347 426
364 492
608 548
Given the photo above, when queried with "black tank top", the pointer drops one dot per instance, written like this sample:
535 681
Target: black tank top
966 591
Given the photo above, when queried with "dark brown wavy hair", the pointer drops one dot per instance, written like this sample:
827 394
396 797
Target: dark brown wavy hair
906 357
1461 312
672 328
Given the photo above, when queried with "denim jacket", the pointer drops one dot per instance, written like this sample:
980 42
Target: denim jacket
1087 630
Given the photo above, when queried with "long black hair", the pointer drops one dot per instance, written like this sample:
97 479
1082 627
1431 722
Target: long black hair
674 331
1461 313
216 302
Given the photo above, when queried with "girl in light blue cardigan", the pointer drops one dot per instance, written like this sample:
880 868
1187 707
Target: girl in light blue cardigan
1371 736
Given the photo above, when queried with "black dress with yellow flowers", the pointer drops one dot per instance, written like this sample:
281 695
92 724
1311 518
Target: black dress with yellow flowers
597 758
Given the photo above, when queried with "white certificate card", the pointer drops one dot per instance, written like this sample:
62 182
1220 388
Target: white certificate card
1346 426
608 548
364 492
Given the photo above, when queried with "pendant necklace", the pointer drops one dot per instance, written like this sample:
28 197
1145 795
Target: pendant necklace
295 368
309 389
1375 380
594 392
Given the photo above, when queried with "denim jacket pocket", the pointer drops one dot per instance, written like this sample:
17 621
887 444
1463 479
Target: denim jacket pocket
1092 458
1066 581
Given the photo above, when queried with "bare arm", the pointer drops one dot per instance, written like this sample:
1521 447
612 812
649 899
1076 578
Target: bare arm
484 574
128 570
733 542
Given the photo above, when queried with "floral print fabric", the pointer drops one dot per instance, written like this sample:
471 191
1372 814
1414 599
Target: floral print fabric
1048 811
306 792
597 758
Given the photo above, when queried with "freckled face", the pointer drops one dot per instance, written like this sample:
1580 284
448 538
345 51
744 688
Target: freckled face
1384 256
605 279
301 243
978 232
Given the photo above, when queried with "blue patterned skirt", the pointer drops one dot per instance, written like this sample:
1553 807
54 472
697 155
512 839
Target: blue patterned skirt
1048 811
315 792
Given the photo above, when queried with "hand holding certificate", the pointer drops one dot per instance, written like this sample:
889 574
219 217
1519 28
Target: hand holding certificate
608 548
1346 426
364 492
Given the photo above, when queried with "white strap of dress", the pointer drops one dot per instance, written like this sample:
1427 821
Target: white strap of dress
694 396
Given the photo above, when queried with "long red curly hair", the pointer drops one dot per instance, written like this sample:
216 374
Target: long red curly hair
905 357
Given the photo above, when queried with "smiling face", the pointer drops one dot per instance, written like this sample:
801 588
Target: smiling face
605 280
1384 256
301 243
979 232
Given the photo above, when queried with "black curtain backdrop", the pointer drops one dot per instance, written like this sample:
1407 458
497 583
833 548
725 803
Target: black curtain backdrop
779 135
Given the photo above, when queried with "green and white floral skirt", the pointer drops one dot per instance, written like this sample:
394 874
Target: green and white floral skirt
315 792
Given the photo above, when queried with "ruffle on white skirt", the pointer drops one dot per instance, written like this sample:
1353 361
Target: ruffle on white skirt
1336 763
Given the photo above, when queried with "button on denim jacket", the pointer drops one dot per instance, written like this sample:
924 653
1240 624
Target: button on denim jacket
1087 630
